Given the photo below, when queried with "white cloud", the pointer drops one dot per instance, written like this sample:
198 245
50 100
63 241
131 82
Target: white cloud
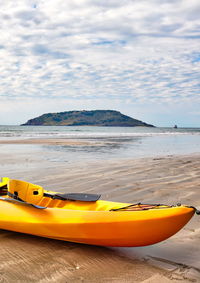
88 50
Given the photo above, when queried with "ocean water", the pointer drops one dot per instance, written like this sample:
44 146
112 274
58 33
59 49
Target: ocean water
107 142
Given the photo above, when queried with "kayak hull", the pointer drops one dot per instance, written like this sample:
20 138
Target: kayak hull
104 228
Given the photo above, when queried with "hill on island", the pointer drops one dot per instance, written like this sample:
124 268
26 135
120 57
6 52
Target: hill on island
86 118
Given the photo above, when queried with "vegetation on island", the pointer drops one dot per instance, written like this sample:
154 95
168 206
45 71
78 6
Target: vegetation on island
110 118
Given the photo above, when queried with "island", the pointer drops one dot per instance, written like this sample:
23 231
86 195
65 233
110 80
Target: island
108 118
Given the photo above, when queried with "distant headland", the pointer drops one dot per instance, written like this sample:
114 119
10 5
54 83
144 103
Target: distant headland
108 118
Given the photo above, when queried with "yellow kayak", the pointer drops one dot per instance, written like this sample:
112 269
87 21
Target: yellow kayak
28 208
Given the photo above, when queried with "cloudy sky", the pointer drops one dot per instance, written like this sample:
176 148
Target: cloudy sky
139 57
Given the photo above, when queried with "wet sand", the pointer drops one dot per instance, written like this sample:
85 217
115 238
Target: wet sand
169 180
53 141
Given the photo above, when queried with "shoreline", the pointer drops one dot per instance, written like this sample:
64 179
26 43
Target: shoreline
49 141
88 149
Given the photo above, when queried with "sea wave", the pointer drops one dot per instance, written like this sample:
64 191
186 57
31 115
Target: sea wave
81 134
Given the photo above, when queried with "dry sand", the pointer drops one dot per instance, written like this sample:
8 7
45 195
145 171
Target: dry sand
169 180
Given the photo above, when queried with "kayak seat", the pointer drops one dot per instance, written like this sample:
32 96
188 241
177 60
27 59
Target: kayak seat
25 191
34 194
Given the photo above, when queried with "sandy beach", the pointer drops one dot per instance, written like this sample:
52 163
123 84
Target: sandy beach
170 179
102 98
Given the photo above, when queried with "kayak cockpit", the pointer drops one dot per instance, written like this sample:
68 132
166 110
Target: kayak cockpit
36 195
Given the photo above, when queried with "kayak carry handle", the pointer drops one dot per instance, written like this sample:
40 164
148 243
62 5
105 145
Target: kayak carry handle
197 211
